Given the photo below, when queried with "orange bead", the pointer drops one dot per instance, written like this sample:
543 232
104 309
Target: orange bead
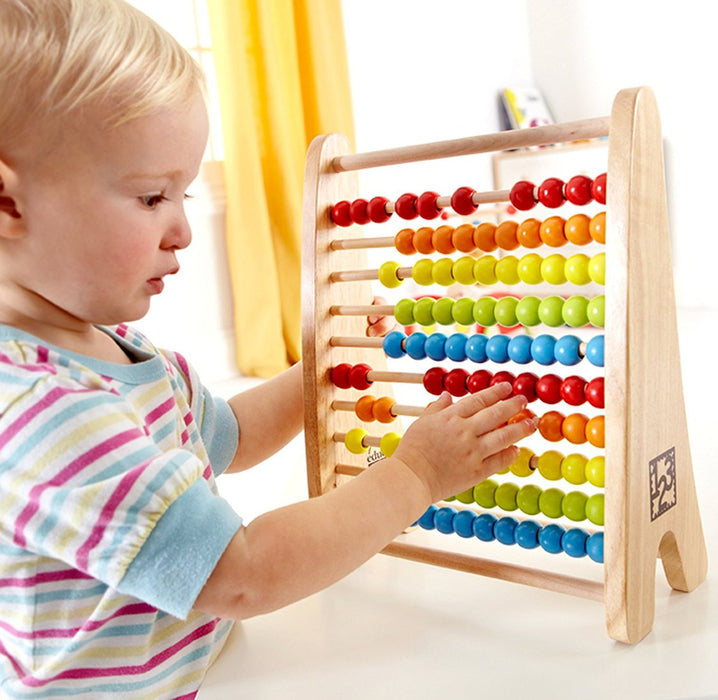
595 431
505 235
527 233
364 408
576 229
551 231
484 237
404 241
526 414
442 240
574 428
597 227
463 238
549 426
382 409
423 240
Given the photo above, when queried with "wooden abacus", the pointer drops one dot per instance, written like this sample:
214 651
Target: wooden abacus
650 501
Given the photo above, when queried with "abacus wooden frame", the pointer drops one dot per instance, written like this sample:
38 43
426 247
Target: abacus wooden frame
645 414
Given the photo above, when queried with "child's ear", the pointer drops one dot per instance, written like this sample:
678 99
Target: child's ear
9 215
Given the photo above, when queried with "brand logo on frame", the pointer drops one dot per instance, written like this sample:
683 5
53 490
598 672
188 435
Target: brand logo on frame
662 475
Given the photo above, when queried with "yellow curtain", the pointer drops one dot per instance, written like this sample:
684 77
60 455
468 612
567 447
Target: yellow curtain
283 79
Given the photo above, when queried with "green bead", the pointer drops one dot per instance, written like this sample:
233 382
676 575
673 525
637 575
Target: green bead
507 270
573 469
594 509
527 499
463 311
553 269
442 272
505 496
423 311
574 506
595 471
421 272
404 312
442 311
466 496
484 311
550 503
549 311
577 269
505 311
574 311
463 271
527 311
597 268
485 270
484 493
388 276
549 465
529 269
596 311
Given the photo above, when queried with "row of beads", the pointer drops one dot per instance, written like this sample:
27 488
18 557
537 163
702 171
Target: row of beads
508 235
368 408
355 442
575 311
532 500
528 534
552 465
553 192
544 349
487 270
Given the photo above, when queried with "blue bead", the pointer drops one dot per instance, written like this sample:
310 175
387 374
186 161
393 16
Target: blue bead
594 547
520 349
594 351
476 348
455 347
444 520
505 530
484 527
527 534
497 348
414 345
435 346
464 523
542 349
566 350
549 538
574 542
427 520
392 344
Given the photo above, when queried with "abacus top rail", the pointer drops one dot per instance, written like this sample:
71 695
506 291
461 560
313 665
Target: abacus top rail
500 141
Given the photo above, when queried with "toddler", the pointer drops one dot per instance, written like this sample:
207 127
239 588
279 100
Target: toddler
121 568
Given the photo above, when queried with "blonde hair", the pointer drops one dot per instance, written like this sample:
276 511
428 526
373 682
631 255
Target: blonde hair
58 57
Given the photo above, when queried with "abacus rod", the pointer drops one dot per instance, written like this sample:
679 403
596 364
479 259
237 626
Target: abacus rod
362 243
362 310
500 141
358 342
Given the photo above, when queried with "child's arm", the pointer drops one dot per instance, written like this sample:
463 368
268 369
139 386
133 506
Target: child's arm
290 553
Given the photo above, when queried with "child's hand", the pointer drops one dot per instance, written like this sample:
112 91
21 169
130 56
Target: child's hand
453 447
379 326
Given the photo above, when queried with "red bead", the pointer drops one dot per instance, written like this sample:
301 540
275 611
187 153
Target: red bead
462 203
358 376
478 381
525 384
522 195
550 193
598 189
377 210
339 376
426 205
573 390
359 212
340 213
405 206
578 190
502 376
455 382
594 392
548 388
434 380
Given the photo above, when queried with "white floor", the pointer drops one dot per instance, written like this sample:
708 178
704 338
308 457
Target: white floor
397 629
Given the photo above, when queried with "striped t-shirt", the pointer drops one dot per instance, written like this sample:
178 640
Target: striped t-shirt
110 522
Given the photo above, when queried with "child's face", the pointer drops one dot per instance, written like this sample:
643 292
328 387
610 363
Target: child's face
104 216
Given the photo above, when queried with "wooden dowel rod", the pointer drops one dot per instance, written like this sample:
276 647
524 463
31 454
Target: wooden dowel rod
362 243
560 583
500 141
402 273
375 375
358 342
368 310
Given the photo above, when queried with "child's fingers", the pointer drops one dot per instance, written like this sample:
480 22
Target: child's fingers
499 439
475 403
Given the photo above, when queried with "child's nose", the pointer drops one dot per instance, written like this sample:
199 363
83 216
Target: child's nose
179 235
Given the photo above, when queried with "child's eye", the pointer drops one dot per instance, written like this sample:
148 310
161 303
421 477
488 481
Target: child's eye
152 200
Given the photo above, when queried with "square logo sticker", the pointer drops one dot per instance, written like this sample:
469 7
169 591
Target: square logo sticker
662 474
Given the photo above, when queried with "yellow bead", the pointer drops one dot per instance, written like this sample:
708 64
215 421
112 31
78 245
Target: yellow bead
549 465
507 270
388 276
421 272
595 471
354 441
485 270
441 273
573 468
463 270
597 268
576 269
389 443
522 466
553 269
529 269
